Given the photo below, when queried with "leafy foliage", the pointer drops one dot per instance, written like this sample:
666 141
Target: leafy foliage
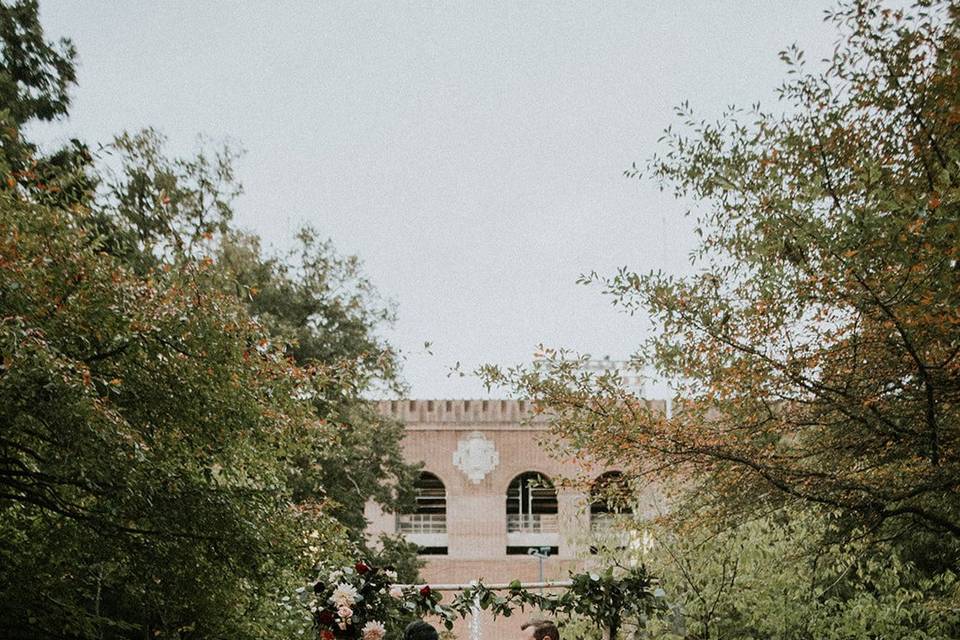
146 429
154 210
816 349
35 75
35 78
774 578
171 440
609 598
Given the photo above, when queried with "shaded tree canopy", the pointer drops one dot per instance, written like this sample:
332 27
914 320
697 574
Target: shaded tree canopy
145 433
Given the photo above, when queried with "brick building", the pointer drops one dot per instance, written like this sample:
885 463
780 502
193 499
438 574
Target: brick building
486 497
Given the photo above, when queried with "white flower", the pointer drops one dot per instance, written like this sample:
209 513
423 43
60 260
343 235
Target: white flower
396 592
345 612
373 630
335 575
391 575
344 595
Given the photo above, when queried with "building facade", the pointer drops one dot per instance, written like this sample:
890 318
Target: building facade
490 501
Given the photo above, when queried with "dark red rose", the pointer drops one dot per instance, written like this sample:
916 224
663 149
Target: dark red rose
326 635
425 590
361 567
325 617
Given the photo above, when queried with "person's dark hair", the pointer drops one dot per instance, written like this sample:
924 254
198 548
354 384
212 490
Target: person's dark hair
542 629
420 630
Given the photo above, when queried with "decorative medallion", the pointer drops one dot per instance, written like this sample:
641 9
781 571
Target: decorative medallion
476 456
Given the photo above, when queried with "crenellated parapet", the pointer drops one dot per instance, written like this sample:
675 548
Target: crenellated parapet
459 411
469 411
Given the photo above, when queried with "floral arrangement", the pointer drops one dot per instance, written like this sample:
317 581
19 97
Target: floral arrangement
363 602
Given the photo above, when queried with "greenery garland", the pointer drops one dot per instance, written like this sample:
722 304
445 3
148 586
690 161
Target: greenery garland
362 602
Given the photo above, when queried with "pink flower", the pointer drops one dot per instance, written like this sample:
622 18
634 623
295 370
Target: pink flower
373 631
344 595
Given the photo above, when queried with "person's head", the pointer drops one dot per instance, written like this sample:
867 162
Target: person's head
540 630
419 630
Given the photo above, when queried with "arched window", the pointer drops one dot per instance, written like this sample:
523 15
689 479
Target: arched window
430 513
531 504
609 496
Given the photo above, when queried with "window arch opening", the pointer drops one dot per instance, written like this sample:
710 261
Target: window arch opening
610 496
426 526
531 504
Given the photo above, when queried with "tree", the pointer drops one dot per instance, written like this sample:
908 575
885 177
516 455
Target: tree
155 210
35 78
327 312
146 440
816 348
36 75
774 578
168 441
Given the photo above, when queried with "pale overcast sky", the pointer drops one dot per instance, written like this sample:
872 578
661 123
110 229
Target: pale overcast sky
470 154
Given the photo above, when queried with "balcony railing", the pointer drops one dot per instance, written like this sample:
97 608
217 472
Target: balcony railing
532 523
602 522
422 523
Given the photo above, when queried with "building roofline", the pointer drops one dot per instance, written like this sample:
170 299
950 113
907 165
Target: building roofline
451 411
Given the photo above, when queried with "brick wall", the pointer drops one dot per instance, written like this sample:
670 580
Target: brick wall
476 508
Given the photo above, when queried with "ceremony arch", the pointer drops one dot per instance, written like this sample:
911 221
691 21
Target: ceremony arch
361 602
